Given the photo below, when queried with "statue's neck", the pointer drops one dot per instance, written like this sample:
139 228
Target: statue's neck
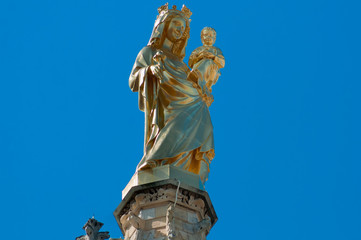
167 45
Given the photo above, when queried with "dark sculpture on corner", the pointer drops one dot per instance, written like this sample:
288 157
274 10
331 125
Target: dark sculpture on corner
92 227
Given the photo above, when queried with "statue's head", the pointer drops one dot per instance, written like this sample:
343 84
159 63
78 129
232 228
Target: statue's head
175 29
208 36
173 25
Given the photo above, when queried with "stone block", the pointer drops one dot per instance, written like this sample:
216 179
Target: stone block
163 173
161 210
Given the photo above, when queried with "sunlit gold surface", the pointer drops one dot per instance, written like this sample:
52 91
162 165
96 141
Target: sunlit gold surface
163 173
206 61
178 127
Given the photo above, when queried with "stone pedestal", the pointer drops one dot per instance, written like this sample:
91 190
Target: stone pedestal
165 209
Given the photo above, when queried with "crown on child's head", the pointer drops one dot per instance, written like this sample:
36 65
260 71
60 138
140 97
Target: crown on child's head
185 12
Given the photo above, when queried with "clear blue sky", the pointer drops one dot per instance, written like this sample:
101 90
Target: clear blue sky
286 115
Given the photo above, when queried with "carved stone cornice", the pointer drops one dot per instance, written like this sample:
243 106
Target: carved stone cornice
165 210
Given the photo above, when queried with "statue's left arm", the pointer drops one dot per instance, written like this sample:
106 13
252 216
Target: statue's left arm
193 58
219 58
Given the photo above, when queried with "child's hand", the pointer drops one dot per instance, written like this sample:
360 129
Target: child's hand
206 54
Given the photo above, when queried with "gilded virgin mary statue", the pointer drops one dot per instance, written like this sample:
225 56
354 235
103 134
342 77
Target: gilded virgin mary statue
178 127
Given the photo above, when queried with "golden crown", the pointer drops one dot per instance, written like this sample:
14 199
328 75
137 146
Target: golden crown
185 11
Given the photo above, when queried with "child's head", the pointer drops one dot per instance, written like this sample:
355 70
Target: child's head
208 36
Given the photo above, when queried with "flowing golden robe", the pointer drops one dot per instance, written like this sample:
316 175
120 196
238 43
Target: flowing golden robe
178 127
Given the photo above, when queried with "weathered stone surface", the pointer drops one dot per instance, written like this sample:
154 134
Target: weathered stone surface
165 210
92 227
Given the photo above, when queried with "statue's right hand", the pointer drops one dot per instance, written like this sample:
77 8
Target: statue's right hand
156 71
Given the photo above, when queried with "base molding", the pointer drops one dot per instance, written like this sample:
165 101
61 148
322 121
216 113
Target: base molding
166 209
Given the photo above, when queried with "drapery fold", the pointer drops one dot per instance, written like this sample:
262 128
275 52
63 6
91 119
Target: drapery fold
178 127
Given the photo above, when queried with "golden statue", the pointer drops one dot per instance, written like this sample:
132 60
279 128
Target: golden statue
206 62
178 127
